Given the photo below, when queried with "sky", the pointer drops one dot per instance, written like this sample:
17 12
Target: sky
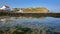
52 5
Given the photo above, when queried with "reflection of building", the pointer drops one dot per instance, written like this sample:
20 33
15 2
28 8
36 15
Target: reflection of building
7 8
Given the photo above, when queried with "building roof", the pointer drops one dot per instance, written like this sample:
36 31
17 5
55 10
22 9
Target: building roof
6 6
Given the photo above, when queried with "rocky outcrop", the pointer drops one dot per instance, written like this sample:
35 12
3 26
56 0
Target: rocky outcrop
36 10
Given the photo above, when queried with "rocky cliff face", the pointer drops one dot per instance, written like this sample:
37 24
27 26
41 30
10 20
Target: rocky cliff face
36 10
33 10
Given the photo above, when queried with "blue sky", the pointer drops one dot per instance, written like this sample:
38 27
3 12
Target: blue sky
52 5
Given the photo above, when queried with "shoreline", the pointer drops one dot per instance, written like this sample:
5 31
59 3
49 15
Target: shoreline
14 14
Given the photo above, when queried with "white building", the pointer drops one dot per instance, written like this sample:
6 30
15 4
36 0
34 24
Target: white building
6 8
20 11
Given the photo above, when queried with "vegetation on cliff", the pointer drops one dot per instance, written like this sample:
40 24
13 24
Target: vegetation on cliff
33 10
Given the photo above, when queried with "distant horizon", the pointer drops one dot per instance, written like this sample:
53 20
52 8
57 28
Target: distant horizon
52 5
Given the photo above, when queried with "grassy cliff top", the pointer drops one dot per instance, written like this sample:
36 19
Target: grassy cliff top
33 10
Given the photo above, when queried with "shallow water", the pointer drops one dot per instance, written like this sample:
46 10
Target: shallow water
39 23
